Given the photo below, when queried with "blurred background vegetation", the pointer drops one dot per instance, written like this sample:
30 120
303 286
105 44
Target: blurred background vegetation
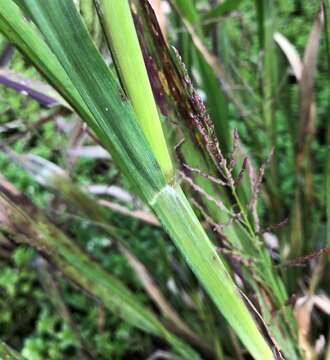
45 316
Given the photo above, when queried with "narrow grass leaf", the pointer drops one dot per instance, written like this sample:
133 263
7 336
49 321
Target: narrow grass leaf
221 9
121 35
26 37
108 106
77 265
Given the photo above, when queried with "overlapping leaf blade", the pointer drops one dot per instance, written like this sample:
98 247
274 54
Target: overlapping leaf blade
77 265
113 120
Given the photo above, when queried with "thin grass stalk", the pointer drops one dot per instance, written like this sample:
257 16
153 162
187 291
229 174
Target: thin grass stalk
221 9
6 353
265 16
328 192
51 287
125 49
326 11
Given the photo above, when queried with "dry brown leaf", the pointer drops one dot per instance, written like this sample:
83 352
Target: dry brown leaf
38 90
145 216
303 311
155 294
307 79
111 190
90 151
157 7
291 53
323 303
